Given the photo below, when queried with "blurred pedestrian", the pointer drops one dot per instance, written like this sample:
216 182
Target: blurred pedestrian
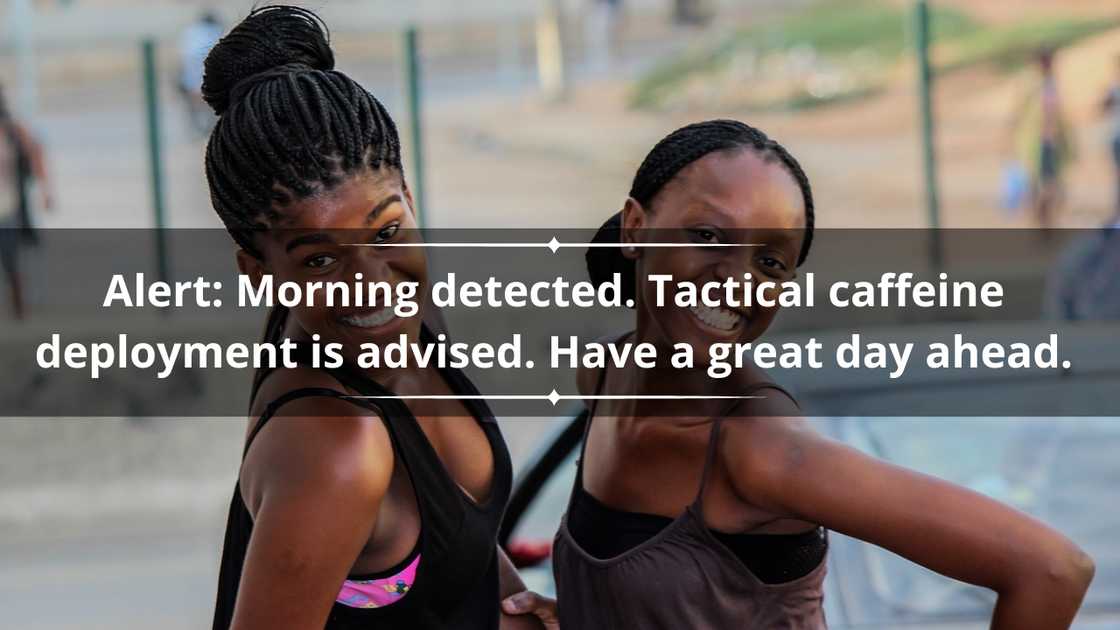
1043 142
21 164
1111 108
194 44
1085 284
691 12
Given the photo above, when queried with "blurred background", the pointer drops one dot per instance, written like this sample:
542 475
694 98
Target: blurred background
536 114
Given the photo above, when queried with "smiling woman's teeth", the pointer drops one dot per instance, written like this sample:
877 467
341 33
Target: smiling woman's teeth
373 320
721 318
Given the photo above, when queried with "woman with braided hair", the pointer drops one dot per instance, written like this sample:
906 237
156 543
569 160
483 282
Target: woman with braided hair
693 515
350 511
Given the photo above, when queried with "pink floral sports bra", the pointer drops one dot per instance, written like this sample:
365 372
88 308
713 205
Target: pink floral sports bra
379 592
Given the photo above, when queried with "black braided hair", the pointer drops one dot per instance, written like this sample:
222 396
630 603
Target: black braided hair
667 159
289 124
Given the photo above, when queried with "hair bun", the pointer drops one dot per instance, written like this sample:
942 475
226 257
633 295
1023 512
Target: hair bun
269 42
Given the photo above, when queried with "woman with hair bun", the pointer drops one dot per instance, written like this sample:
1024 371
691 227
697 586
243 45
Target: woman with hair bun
690 514
349 512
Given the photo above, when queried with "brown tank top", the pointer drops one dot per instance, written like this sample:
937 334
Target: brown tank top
682 578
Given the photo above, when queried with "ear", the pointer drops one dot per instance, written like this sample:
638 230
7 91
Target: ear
251 266
407 192
634 219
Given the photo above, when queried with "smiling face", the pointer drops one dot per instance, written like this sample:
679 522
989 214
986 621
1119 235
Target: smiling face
725 197
308 242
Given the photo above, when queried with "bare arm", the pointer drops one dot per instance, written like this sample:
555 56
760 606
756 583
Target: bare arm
781 465
314 486
521 609
509 578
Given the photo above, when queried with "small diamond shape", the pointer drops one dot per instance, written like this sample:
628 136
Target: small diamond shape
553 398
554 244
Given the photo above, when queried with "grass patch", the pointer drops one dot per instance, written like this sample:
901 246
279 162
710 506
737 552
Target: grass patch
805 102
838 30
1010 46
832 28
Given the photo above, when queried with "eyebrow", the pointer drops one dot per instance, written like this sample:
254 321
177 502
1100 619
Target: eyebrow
707 206
729 213
379 208
323 237
308 239
782 234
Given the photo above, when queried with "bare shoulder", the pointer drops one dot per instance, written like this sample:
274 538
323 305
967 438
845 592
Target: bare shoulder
318 444
769 400
765 442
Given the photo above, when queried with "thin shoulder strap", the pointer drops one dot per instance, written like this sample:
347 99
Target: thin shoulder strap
595 405
595 396
296 394
600 384
713 438
709 462
588 415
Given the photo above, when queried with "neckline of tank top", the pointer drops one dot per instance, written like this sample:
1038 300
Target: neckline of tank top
661 521
458 382
691 512
488 429
690 522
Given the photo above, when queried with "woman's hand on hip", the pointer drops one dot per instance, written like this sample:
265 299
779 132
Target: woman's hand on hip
529 603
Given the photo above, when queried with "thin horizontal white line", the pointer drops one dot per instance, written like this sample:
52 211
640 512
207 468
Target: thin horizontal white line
658 397
641 245
456 397
555 397
509 245
550 246
559 397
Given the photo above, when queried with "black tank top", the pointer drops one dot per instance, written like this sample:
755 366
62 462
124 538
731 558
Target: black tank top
456 583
